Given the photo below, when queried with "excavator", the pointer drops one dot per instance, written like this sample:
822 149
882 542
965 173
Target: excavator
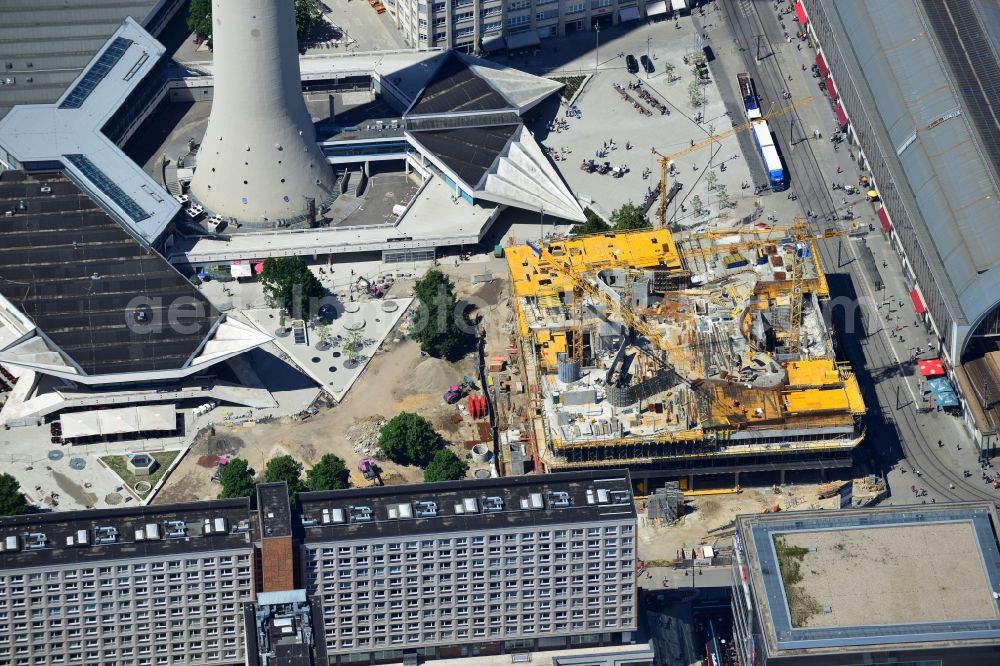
372 289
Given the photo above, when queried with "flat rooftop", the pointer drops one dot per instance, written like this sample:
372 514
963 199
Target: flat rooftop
139 532
830 581
68 132
47 43
105 300
467 506
894 569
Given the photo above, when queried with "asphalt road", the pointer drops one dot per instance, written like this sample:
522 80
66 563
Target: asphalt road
900 440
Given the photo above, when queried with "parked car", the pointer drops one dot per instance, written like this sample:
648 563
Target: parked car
631 64
647 64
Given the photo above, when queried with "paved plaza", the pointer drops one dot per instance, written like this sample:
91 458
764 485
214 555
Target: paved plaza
329 364
606 118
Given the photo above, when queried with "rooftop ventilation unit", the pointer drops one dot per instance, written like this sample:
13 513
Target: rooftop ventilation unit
427 509
603 496
153 531
536 501
215 526
590 496
46 189
81 538
360 514
559 500
34 541
105 535
241 527
10 544
401 511
176 529
310 522
467 505
492 504
332 516
620 496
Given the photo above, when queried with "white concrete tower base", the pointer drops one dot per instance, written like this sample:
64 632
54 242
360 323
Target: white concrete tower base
259 159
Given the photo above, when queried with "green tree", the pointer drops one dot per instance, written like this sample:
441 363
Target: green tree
199 19
593 225
330 473
323 332
352 345
237 479
722 196
408 439
711 178
12 502
668 69
445 466
440 326
287 469
629 217
289 284
695 93
696 204
308 14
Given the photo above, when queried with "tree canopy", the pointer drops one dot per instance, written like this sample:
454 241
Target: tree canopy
308 15
439 328
445 466
199 19
593 225
289 284
409 439
12 501
330 473
237 479
287 469
629 217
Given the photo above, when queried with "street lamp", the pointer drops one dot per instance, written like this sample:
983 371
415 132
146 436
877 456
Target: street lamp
597 48
649 38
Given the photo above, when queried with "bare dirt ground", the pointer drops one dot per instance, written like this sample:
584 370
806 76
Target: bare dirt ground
714 512
397 379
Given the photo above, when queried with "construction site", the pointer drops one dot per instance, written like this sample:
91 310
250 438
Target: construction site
679 355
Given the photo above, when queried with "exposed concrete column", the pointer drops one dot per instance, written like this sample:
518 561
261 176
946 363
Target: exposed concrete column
259 158
690 481
736 480
781 478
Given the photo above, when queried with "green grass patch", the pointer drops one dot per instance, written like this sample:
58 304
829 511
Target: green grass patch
118 465
572 84
801 606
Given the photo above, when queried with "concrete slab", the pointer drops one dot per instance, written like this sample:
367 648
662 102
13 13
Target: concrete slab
329 365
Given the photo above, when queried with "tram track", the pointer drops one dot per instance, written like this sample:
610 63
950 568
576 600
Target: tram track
889 420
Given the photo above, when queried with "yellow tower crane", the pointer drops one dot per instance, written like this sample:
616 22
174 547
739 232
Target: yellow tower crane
633 320
666 159
800 234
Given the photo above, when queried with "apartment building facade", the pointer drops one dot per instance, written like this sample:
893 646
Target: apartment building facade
152 586
477 26
472 568
372 575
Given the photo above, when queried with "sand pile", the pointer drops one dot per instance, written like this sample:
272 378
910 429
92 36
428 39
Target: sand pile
433 375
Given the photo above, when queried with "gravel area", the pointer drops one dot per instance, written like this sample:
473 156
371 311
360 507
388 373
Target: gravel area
894 575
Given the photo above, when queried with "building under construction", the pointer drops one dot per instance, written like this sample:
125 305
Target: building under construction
679 356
